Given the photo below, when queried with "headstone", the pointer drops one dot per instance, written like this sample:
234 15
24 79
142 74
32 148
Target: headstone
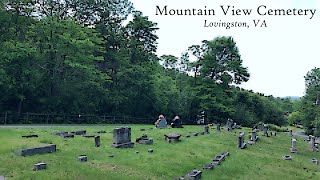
218 127
37 150
97 141
229 124
208 166
254 138
206 129
30 136
122 137
2 178
172 137
150 150
241 143
162 123
83 158
265 130
67 135
144 140
40 166
260 126
312 144
176 123
293 146
194 175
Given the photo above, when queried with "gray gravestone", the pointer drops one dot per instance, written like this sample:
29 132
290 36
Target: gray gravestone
254 138
241 143
293 146
40 166
97 141
194 175
313 144
229 124
218 127
122 137
206 129
144 140
2 178
172 137
265 130
83 158
290 132
37 150
162 124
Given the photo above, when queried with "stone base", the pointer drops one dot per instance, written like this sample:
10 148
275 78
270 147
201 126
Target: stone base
124 145
293 150
37 150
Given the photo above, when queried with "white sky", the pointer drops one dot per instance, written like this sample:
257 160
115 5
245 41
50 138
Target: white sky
278 57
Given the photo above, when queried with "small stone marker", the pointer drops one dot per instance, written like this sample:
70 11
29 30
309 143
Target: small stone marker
206 129
241 143
97 141
37 150
111 155
290 132
293 146
287 157
194 134
30 136
150 150
100 132
187 136
40 166
208 166
254 138
83 158
193 175
144 140
316 161
122 138
82 132
88 136
172 137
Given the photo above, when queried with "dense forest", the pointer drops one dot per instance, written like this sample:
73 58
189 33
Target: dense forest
99 57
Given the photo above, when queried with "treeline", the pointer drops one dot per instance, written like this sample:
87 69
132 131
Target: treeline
98 57
307 109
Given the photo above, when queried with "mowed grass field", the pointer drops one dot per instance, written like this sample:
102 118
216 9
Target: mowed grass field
262 160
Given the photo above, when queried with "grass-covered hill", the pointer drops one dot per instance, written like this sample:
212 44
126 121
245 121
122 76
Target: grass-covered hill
262 160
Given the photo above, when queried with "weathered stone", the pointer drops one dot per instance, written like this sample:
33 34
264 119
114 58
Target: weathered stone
37 150
241 143
293 146
97 141
144 140
150 150
111 155
122 138
194 134
83 158
40 166
206 129
2 178
265 130
225 153
81 132
287 157
313 144
89 136
59 133
161 124
194 175
219 127
67 135
172 137
208 166
187 136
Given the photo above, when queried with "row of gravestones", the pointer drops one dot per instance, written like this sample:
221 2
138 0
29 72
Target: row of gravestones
196 174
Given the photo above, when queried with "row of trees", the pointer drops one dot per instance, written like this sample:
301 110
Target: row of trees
98 57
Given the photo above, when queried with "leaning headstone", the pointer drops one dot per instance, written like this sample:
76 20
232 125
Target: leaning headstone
293 146
144 140
241 143
83 158
193 175
206 129
40 166
312 144
97 141
172 137
122 137
37 150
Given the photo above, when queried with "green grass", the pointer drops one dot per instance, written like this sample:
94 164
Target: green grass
262 160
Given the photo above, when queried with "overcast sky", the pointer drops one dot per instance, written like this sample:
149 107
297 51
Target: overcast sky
278 57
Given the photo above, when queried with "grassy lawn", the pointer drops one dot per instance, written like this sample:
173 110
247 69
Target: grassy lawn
262 160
